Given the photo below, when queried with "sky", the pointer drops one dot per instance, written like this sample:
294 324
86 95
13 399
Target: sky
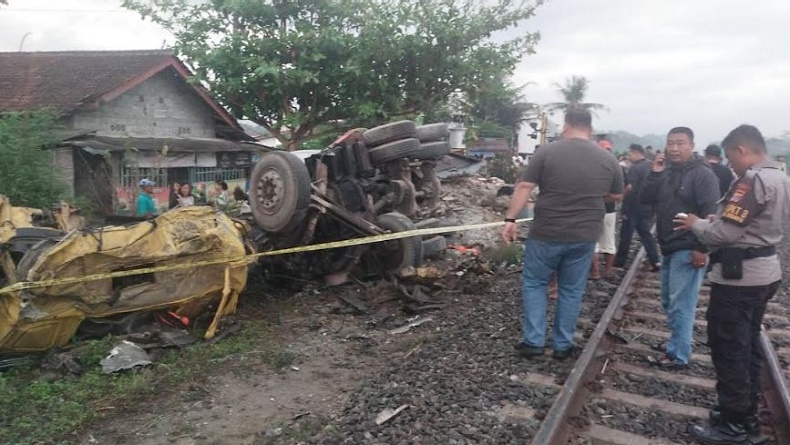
655 64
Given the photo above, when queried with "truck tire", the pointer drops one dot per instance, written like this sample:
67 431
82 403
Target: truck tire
279 192
387 133
396 255
433 132
433 150
404 148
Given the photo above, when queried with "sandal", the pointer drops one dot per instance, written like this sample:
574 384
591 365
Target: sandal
660 346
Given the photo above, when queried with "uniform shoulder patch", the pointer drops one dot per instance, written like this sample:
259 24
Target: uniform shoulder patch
741 205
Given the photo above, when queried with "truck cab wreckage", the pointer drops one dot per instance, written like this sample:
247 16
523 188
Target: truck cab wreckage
366 183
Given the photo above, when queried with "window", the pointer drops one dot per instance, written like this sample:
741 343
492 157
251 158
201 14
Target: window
211 174
184 130
131 176
118 127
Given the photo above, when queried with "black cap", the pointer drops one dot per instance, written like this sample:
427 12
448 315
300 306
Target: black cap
713 150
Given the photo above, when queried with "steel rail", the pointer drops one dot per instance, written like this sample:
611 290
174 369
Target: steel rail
555 429
776 392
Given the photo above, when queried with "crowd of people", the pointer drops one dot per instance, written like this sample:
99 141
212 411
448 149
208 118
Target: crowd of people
723 221
181 195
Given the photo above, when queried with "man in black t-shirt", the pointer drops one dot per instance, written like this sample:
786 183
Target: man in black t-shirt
723 173
574 176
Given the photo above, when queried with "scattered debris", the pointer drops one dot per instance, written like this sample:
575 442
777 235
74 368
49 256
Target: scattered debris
126 355
407 327
355 302
387 414
300 415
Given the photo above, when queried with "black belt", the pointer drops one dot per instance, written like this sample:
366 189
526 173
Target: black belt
748 253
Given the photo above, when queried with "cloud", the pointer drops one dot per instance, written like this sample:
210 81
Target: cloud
74 25
709 64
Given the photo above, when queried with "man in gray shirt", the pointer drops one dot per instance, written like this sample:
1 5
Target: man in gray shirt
746 273
574 177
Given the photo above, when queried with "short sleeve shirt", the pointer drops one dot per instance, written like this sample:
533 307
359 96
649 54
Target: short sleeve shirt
145 204
573 176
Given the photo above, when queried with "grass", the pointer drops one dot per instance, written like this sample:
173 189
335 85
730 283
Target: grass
45 408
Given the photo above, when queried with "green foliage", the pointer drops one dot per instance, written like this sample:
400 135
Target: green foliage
43 408
28 176
573 93
502 167
493 130
292 66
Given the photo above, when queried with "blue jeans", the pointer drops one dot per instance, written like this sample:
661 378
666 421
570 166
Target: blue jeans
571 262
680 282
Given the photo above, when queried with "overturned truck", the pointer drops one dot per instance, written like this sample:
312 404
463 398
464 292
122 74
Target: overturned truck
366 183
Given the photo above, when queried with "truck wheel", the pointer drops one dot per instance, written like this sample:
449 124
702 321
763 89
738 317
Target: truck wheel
432 150
279 191
396 255
433 132
404 148
387 133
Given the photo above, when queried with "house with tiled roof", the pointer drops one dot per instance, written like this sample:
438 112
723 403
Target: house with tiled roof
128 115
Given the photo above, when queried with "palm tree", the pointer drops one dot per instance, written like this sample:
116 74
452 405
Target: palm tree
573 92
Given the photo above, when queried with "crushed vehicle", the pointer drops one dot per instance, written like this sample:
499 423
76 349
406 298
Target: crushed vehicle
365 183
40 318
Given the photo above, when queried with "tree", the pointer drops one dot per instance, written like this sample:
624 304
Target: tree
293 67
28 176
573 92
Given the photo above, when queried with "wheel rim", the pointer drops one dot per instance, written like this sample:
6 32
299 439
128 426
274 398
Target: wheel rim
271 188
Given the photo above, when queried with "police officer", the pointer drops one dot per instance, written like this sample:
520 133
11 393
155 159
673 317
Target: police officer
745 275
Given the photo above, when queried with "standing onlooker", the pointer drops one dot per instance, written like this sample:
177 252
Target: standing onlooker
145 203
185 197
606 244
746 274
782 163
635 215
574 177
222 200
686 185
725 175
173 199
650 154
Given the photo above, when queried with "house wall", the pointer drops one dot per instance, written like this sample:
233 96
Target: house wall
64 161
162 106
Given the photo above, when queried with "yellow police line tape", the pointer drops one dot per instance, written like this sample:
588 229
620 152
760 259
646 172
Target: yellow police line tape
23 285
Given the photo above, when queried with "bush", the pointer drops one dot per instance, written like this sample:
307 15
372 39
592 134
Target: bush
28 176
502 167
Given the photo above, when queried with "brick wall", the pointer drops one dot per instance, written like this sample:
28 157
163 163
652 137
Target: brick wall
162 106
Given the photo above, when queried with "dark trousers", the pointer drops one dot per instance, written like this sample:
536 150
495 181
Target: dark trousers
641 222
735 315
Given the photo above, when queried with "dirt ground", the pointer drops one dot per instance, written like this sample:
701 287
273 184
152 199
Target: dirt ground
334 349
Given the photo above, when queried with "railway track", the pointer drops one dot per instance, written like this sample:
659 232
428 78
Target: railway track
613 395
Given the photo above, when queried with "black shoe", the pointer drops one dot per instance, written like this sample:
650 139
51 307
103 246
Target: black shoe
562 355
721 434
528 351
752 426
655 267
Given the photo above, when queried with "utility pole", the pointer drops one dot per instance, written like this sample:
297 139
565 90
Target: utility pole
543 129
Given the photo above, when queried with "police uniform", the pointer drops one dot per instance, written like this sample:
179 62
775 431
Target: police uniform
746 273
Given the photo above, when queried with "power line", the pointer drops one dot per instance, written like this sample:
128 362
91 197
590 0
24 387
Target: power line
62 10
